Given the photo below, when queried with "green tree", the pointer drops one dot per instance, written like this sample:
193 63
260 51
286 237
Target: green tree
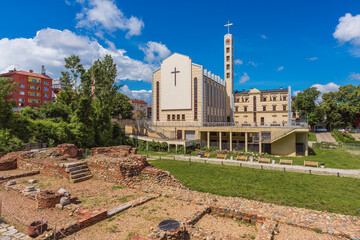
122 106
7 87
306 105
342 107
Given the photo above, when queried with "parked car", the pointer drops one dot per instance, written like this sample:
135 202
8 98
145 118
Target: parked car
321 130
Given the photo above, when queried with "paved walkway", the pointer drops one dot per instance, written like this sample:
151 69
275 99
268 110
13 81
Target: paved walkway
289 168
8 232
325 137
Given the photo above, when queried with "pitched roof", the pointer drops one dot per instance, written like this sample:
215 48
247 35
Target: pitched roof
27 74
137 101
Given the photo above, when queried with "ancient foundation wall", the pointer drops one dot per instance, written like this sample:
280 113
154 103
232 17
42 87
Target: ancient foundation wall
52 170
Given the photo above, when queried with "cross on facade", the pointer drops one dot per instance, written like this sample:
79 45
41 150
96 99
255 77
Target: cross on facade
228 26
175 72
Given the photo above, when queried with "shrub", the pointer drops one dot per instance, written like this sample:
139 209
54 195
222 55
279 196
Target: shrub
9 142
344 137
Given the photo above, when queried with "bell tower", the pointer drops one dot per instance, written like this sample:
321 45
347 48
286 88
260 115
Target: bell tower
229 73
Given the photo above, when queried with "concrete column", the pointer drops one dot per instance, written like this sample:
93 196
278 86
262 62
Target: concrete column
147 145
230 141
306 144
246 141
260 143
176 147
208 139
220 141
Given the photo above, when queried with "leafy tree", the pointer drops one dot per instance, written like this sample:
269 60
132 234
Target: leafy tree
306 104
7 87
342 107
122 106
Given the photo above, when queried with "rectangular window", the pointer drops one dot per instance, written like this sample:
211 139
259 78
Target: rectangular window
33 80
227 66
46 82
22 86
274 108
22 93
195 100
157 101
173 117
178 117
245 109
46 95
21 100
284 98
264 108
46 89
227 50
45 102
274 98
183 117
227 75
236 109
284 108
168 117
227 58
264 99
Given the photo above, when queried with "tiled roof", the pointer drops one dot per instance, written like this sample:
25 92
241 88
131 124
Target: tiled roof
137 101
150 106
264 91
27 74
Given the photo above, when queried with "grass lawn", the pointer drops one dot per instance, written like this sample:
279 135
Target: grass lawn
312 137
333 158
292 189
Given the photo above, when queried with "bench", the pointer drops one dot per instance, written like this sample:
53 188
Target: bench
241 158
286 161
222 156
313 164
206 155
264 160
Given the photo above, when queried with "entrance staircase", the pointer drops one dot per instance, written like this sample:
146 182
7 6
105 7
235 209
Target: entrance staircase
146 125
78 171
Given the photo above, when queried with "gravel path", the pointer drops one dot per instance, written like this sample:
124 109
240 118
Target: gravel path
325 137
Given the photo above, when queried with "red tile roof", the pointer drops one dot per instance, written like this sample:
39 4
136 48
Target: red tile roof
150 106
137 101
27 74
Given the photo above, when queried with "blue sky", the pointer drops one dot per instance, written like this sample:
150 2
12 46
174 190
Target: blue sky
276 43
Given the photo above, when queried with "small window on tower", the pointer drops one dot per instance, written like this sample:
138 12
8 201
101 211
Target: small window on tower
227 66
227 50
168 117
228 75
227 58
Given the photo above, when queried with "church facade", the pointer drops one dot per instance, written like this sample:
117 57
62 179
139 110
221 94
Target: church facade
184 93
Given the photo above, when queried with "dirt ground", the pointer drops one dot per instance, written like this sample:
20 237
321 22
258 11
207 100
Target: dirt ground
12 172
22 211
213 223
296 233
138 220
92 193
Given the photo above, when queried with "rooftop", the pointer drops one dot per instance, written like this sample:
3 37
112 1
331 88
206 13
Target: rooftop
31 74
263 91
137 101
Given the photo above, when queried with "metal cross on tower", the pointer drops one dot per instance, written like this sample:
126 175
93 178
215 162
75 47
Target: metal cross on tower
175 72
228 26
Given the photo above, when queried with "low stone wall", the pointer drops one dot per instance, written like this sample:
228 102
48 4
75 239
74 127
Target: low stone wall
160 177
47 199
115 152
14 176
9 161
116 169
49 169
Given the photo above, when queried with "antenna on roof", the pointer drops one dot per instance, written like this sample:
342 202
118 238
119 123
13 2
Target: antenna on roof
43 70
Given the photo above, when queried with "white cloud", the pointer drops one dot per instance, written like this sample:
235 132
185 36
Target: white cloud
263 36
238 62
244 78
145 95
295 93
348 29
102 15
312 58
354 76
155 52
330 87
253 64
280 68
50 46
